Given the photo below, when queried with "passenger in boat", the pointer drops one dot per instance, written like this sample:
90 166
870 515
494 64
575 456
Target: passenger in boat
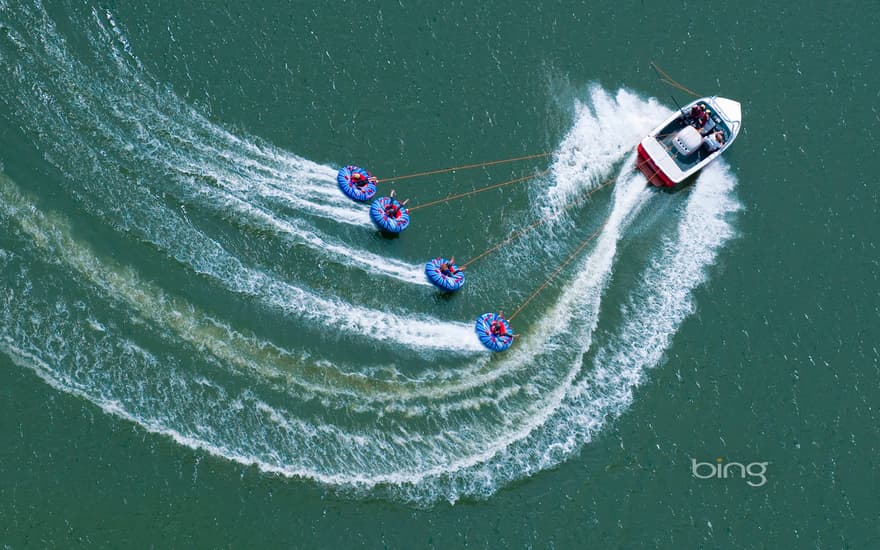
709 125
714 141
699 116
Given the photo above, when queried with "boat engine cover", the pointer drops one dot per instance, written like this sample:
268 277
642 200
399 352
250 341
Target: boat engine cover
687 141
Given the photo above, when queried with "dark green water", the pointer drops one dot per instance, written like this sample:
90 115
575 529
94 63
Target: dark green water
203 344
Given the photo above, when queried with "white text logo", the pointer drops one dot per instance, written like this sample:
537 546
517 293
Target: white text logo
719 470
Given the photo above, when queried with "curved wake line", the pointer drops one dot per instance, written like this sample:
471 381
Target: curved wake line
415 332
606 130
654 313
653 318
687 265
594 274
625 199
146 122
276 185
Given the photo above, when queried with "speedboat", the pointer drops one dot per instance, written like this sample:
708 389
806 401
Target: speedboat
689 140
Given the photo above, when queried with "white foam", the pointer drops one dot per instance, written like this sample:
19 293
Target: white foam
655 310
606 130
141 119
417 332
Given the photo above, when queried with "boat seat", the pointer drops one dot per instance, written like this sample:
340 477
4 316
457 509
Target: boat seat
708 127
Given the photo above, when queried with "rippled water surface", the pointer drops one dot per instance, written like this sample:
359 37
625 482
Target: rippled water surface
193 312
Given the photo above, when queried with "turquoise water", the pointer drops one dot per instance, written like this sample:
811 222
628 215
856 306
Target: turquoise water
205 344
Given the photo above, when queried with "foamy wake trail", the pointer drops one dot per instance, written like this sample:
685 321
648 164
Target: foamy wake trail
416 332
248 167
142 121
653 313
607 128
564 332
418 456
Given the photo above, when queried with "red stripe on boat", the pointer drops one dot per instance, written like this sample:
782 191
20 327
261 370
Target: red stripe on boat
655 176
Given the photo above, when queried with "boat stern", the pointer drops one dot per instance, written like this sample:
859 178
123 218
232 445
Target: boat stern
647 166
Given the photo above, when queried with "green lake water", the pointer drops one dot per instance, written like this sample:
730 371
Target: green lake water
204 344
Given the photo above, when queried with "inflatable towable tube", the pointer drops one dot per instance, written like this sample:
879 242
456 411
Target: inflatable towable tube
498 338
389 215
360 187
448 280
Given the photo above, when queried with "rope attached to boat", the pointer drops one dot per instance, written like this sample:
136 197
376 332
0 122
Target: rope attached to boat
480 190
567 261
517 234
465 167
669 80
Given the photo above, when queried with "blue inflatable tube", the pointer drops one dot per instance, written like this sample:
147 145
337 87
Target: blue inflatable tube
444 279
389 215
362 190
496 340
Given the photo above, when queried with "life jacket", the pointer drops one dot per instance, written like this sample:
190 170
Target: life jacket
699 114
